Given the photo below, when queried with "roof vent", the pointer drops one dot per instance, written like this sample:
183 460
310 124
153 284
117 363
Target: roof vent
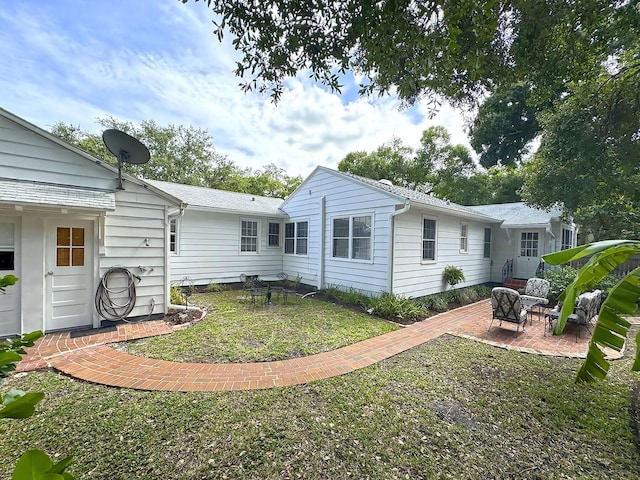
384 181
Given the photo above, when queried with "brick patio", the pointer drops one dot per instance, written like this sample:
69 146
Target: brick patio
88 356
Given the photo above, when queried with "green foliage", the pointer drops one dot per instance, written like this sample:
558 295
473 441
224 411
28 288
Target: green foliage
348 296
458 296
216 287
183 155
7 281
36 465
391 306
611 328
175 295
559 279
505 125
452 275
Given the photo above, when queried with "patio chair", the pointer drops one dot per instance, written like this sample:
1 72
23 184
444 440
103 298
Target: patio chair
507 306
535 295
293 290
281 285
254 288
586 308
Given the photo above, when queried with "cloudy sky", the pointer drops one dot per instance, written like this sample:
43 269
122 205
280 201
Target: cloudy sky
77 60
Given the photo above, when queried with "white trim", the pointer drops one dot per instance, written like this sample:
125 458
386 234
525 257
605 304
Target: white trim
295 236
425 261
464 226
350 238
258 226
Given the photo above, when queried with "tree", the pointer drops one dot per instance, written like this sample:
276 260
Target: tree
441 48
611 328
182 155
504 126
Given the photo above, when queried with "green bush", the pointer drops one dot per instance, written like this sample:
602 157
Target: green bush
452 275
438 302
459 296
389 305
561 278
175 294
216 287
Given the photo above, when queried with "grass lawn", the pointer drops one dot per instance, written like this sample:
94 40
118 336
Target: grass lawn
452 408
236 331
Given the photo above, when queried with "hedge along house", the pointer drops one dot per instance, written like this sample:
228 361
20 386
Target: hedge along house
64 223
525 234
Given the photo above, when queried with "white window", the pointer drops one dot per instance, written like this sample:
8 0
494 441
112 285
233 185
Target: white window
352 237
428 239
173 235
464 237
249 236
567 239
487 243
296 238
529 244
7 246
274 234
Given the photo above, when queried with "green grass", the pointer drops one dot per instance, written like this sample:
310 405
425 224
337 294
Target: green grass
236 331
451 408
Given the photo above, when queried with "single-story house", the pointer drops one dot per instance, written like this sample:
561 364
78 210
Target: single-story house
64 223
339 229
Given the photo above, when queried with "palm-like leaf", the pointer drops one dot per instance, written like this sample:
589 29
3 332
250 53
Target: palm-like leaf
611 329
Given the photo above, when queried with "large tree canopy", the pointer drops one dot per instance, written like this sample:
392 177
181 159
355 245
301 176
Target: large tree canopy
182 155
437 167
451 48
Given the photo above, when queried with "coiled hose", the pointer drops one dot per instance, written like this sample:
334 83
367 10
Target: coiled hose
115 299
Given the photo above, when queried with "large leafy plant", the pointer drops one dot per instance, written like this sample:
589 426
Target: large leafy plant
611 328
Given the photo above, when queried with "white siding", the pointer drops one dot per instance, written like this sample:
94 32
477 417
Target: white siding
209 249
503 248
342 198
25 155
414 277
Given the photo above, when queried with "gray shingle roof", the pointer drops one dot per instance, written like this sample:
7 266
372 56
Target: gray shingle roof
519 214
36 193
222 200
418 197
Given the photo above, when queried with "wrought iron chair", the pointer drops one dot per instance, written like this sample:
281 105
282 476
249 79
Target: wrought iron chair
535 295
293 290
506 306
254 288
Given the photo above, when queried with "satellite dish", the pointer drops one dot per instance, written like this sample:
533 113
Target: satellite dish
126 149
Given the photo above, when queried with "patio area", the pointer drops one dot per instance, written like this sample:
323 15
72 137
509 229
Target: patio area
88 355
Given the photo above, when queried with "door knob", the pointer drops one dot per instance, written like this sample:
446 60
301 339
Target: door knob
50 272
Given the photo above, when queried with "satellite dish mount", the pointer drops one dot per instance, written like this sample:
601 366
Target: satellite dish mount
126 149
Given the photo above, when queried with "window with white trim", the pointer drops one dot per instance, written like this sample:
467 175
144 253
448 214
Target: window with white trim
274 234
429 239
7 246
173 235
352 237
464 237
296 238
567 239
249 236
529 244
487 243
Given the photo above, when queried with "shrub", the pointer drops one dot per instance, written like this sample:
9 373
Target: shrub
437 302
459 296
389 305
452 275
175 294
353 296
216 287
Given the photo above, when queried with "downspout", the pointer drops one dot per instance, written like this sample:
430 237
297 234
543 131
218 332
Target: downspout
167 260
404 209
323 229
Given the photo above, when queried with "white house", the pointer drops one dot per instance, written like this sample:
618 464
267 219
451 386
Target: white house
524 235
63 223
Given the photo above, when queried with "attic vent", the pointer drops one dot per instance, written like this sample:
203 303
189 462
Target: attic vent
384 181
253 199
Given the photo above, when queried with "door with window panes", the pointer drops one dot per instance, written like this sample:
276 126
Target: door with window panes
528 253
9 265
69 275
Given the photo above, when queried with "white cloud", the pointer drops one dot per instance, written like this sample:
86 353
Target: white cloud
170 68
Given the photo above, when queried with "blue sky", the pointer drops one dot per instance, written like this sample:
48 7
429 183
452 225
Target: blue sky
77 60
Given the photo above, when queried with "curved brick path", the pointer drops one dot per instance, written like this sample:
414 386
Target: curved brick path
89 357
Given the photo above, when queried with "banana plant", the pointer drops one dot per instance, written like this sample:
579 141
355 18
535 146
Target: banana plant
611 328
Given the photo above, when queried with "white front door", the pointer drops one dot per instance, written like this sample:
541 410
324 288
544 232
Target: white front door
528 253
9 265
69 275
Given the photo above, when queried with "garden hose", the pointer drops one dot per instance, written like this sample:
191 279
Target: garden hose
115 299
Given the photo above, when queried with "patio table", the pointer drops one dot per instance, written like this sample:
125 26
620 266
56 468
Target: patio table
269 280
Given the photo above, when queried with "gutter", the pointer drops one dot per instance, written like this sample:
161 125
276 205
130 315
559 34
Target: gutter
405 209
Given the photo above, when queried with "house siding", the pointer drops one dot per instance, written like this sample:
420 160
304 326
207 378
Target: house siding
209 249
116 238
414 277
322 198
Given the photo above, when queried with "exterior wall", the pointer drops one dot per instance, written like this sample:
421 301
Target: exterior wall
118 236
414 277
326 196
25 155
503 248
139 218
209 249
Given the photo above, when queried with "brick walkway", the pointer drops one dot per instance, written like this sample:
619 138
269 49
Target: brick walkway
89 357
